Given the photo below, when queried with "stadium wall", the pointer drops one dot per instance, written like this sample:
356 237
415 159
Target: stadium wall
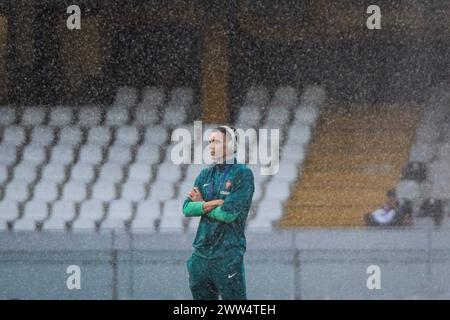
304 264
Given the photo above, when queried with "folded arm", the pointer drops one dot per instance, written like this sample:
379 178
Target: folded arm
237 202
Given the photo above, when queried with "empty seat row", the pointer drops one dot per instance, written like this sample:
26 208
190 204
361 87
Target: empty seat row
46 136
119 114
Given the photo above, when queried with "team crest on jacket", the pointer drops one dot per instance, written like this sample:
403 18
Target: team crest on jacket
228 184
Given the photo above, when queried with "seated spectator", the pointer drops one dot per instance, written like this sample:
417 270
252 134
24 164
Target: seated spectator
416 171
432 208
392 214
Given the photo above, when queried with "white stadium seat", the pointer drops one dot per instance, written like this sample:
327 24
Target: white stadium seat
277 190
427 133
99 136
148 153
74 191
174 115
119 154
284 97
146 116
298 134
89 116
84 225
91 154
440 189
172 217
257 194
193 171
133 190
55 172
288 171
8 155
36 210
104 191
9 210
127 135
306 115
25 171
91 211
54 224
3 225
249 117
117 224
157 135
162 190
140 171
152 97
169 172
257 173
42 136
184 189
3 173
46 191
295 155
259 224
192 224
147 212
33 116
82 172
62 154
257 95
313 96
70 136
182 97
117 116
17 190
269 210
177 153
444 153
63 210
436 171
13 136
119 212
7 116
111 172
125 97
34 154
25 224
61 116
277 118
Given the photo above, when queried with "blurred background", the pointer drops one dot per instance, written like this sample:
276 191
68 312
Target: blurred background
86 117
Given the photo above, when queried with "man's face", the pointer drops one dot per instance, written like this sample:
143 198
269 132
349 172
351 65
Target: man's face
217 146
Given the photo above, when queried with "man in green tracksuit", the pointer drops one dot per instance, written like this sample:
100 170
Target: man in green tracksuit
221 196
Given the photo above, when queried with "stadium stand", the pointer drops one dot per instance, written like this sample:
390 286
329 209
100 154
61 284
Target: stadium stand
425 180
296 119
86 168
357 153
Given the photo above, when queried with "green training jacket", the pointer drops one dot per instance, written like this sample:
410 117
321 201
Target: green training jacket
221 232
